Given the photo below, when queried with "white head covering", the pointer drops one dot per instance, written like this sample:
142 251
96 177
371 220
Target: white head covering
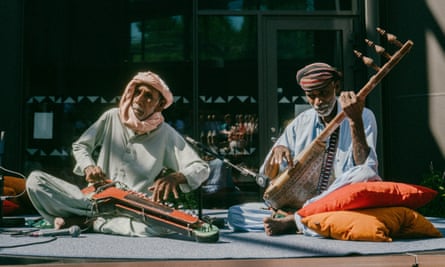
126 112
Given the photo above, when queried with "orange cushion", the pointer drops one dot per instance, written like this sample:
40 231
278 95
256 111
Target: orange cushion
13 186
15 183
377 224
370 195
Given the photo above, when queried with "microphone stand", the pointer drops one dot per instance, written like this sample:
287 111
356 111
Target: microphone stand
259 179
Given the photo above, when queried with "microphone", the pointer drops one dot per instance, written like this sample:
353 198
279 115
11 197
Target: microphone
73 231
262 181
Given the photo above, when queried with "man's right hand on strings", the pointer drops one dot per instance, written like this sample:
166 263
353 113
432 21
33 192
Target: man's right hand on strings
94 174
279 153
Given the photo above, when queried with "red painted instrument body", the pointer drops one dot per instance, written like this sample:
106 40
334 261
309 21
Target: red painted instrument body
110 199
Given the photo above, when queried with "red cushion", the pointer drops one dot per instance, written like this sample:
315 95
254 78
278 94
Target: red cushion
371 195
9 207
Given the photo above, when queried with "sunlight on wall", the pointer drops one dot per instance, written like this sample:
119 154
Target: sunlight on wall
436 65
437 8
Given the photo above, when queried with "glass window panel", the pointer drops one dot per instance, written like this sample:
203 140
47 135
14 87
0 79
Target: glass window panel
296 48
227 38
179 77
324 4
158 39
228 86
345 4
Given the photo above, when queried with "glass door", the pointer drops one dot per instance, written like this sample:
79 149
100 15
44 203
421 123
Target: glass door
289 44
228 100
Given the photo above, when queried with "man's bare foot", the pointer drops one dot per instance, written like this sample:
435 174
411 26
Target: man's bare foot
61 223
279 226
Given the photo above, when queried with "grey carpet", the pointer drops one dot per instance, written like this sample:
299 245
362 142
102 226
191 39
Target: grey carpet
231 245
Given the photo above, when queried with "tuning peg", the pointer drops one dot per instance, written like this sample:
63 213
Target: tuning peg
378 49
390 37
367 60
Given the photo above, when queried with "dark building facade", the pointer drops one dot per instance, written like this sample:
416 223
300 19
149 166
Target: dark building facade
229 63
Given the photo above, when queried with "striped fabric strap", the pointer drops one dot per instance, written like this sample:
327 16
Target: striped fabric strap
328 162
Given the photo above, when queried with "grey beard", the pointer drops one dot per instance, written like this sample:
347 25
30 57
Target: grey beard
327 111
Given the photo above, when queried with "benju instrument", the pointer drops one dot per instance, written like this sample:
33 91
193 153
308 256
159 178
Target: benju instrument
294 186
113 198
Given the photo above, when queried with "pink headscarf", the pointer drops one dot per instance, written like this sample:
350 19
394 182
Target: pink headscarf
126 112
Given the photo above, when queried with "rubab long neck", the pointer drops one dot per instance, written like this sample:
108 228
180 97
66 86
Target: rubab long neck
367 88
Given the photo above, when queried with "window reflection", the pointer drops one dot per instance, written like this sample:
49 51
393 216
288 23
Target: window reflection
157 40
227 38
228 87
229 134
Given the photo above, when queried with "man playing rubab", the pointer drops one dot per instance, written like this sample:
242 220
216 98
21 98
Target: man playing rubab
351 148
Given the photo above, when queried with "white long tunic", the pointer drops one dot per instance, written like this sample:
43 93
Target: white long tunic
136 160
